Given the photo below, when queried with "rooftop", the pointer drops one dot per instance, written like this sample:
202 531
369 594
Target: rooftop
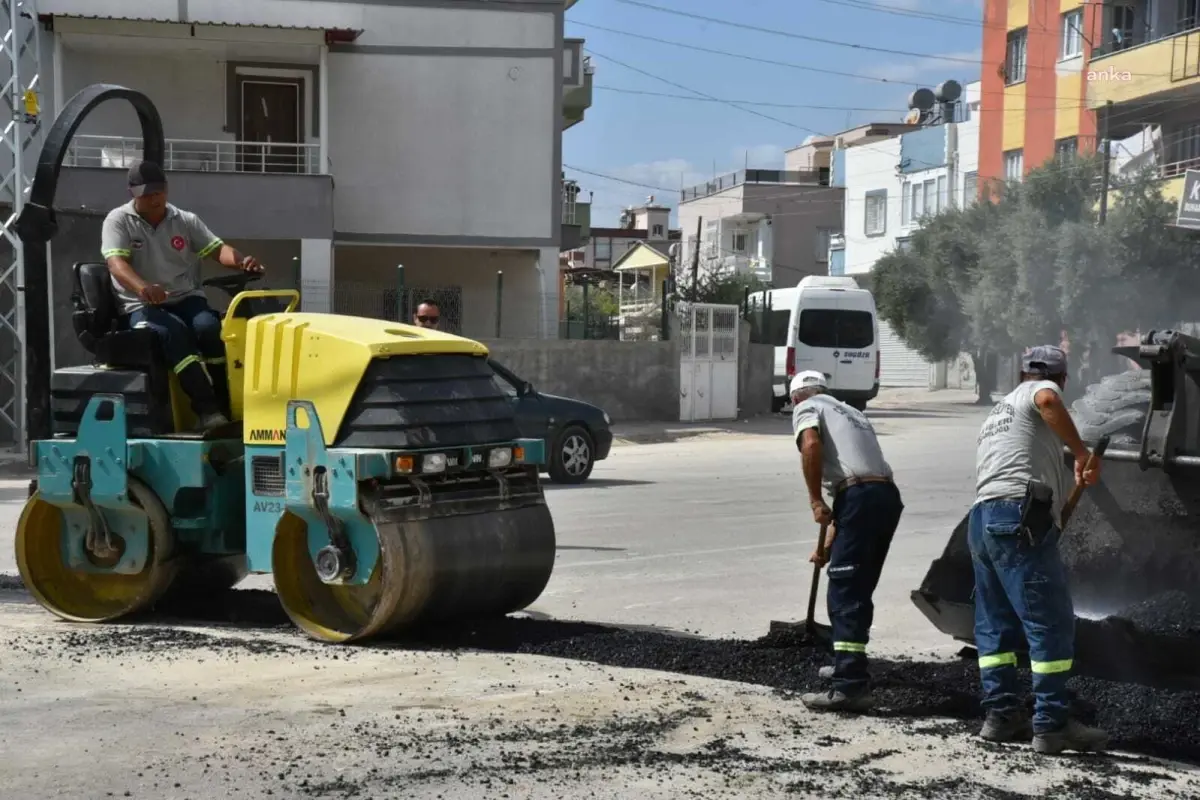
755 176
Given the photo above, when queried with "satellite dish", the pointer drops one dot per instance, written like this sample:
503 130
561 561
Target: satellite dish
921 99
948 91
913 117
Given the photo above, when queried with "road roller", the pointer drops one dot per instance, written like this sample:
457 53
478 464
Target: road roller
374 469
1132 547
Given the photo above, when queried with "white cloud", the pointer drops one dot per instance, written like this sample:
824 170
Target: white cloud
759 156
912 70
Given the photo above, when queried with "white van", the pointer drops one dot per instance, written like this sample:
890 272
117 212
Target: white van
824 323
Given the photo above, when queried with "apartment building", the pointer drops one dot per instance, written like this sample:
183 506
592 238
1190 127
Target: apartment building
352 146
894 176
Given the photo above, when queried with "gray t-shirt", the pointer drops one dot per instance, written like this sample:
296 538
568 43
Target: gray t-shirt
168 255
1016 446
849 444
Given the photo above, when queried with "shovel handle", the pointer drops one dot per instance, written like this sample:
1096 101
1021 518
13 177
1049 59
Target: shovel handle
816 580
1077 491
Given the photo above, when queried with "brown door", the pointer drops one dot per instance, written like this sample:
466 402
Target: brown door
271 114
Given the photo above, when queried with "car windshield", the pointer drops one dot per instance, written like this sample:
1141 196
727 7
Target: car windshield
833 328
508 382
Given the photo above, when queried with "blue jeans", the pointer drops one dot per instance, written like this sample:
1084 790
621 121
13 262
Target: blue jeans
866 516
190 333
1021 597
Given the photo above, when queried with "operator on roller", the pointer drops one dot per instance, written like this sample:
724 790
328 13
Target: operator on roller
1022 483
154 250
840 453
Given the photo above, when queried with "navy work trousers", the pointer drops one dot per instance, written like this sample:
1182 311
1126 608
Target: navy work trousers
1021 591
190 332
866 516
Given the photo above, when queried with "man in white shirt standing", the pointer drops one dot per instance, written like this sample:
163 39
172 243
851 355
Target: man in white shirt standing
1021 590
840 455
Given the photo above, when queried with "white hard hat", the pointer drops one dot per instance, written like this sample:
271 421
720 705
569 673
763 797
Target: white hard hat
809 379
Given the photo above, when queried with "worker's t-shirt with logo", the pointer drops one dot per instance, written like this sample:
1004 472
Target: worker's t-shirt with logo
169 255
848 441
1016 446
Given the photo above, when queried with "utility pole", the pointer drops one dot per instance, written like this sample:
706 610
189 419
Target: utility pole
696 254
1107 163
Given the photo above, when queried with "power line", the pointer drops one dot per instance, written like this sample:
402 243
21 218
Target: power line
744 57
760 103
913 13
793 35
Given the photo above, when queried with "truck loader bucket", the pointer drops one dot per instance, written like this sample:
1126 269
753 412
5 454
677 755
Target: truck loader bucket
1132 547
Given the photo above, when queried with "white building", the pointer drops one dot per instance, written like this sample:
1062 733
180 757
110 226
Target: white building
334 137
891 183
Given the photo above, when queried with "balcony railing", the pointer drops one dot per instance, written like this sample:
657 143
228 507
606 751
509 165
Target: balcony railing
769 176
197 155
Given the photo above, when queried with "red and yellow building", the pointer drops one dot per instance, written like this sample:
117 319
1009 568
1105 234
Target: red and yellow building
1058 73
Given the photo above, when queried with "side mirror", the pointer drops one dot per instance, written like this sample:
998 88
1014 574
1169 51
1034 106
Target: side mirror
526 388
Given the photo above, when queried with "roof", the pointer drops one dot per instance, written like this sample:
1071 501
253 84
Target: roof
641 256
169 21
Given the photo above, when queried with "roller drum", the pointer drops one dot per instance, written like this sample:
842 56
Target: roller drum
81 596
429 570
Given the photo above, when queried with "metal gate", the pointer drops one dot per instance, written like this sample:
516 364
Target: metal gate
899 364
708 368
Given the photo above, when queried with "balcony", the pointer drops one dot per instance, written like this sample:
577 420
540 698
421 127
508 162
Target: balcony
1170 156
245 190
1142 65
576 218
577 82
760 268
818 177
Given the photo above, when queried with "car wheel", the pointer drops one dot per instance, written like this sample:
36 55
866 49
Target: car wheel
573 457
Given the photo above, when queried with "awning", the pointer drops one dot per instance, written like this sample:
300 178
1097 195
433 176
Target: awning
641 256
342 34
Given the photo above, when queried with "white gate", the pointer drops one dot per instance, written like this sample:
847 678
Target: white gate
708 368
899 364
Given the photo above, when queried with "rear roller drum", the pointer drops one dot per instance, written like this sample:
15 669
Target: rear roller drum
430 570
92 596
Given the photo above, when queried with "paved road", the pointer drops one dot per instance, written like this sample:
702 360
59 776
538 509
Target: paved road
706 535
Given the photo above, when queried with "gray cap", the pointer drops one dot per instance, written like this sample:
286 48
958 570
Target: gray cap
1045 359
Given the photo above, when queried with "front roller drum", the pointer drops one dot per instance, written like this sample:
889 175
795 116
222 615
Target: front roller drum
93 596
431 570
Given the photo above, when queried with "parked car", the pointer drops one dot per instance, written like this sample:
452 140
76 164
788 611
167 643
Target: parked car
577 434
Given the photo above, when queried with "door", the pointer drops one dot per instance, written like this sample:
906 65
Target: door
272 114
817 340
856 343
708 366
532 421
899 364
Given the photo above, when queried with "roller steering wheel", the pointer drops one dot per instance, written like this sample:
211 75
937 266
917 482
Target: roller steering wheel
233 284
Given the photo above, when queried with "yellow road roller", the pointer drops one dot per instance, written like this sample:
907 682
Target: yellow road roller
373 468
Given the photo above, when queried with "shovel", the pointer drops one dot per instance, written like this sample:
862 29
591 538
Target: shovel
809 632
1077 491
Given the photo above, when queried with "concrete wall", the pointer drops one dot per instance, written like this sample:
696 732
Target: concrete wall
756 375
632 381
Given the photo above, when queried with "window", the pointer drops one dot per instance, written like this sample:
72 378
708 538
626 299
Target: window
1071 42
833 329
1066 149
769 326
970 188
603 251
739 242
1014 66
903 245
931 199
1014 165
943 201
821 244
920 198
875 212
657 231
1121 33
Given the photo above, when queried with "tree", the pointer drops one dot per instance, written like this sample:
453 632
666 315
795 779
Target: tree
1035 264
725 288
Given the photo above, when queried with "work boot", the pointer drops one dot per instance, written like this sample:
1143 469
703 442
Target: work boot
1007 726
838 701
208 422
1072 736
826 672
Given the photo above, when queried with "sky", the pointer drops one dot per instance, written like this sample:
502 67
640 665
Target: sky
671 141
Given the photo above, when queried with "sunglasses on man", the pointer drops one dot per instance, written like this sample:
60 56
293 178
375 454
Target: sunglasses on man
434 320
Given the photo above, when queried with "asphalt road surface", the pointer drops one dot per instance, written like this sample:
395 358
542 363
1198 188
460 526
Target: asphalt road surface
704 537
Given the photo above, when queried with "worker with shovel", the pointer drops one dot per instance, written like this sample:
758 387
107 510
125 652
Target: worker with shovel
1023 493
840 454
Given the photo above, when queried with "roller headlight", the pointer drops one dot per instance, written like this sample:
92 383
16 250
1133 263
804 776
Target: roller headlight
500 457
433 462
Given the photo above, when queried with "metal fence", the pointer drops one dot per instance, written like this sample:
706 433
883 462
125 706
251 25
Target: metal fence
196 155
